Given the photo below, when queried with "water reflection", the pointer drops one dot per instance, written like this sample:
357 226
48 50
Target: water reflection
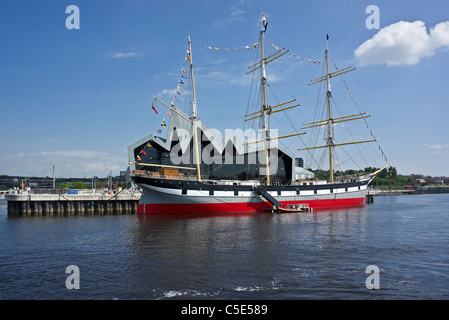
318 255
232 252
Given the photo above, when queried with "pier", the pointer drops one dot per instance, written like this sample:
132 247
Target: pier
371 192
74 203
389 192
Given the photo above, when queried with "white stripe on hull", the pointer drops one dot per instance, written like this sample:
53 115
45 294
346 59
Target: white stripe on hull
157 195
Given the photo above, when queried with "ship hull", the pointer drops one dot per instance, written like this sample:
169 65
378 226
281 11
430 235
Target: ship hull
180 197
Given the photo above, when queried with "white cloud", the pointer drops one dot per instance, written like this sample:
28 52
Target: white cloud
228 77
435 148
74 154
120 55
403 43
224 78
235 14
68 163
167 92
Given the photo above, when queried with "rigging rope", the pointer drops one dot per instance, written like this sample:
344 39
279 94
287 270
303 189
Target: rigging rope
357 106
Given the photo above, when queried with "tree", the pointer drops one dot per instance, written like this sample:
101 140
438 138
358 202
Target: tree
370 169
393 172
78 185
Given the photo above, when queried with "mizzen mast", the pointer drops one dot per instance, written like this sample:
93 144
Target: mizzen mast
330 121
330 124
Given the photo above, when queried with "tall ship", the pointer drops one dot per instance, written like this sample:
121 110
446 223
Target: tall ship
196 169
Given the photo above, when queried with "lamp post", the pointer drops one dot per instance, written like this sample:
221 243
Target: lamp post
54 182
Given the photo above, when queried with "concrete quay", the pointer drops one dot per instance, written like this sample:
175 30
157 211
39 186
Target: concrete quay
389 192
72 204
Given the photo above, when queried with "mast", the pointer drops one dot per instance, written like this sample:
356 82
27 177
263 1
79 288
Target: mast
194 117
265 126
330 121
330 124
266 111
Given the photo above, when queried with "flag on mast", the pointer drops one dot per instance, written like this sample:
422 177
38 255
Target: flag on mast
264 23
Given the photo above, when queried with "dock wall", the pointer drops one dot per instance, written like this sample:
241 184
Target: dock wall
66 204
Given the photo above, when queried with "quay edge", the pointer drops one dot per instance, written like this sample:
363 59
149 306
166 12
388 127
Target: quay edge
66 204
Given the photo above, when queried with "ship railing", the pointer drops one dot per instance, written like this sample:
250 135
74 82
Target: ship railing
157 175
351 178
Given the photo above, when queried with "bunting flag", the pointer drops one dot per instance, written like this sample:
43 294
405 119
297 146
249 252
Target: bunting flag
255 45
152 107
295 56
233 49
179 91
148 145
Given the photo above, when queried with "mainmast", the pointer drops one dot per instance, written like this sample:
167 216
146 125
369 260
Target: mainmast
266 125
266 110
194 117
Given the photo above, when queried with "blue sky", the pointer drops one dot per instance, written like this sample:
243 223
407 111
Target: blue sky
78 98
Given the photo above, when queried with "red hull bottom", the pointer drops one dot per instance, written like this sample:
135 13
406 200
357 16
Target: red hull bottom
190 208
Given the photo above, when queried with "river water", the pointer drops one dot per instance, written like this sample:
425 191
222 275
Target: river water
319 255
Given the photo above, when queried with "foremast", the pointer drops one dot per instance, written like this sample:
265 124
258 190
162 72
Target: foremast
193 120
194 116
